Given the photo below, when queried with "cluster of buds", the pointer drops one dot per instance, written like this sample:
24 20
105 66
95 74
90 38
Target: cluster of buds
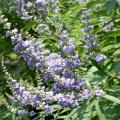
4 21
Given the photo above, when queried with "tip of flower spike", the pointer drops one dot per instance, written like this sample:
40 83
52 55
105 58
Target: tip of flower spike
98 92
22 113
99 58
32 113
81 1
48 109
86 94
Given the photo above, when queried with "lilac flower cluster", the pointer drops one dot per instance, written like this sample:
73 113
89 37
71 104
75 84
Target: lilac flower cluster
67 87
99 58
37 10
27 9
44 5
23 6
68 47
42 28
89 38
68 83
86 94
62 70
29 50
68 100
39 97
108 27
22 113
54 63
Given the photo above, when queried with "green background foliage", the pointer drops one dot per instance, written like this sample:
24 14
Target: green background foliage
105 75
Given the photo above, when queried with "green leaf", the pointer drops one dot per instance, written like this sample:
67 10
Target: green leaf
62 117
74 11
82 113
6 116
95 78
116 69
92 69
12 55
110 5
100 114
56 106
64 110
29 26
75 110
115 33
112 98
88 112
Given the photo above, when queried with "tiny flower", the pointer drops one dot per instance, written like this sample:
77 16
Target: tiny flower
69 48
64 35
81 1
99 92
92 37
22 113
47 78
16 38
108 27
68 63
48 109
76 61
32 113
87 21
69 74
86 94
99 58
54 63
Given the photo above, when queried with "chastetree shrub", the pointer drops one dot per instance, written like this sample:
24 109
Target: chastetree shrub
73 49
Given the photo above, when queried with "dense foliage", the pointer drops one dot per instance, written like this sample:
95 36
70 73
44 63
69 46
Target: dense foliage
60 60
